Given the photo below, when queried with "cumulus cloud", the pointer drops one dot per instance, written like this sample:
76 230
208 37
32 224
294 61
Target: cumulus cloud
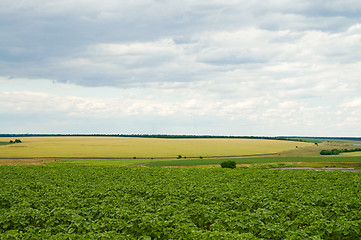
275 64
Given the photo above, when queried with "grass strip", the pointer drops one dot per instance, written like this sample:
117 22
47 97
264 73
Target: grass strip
195 162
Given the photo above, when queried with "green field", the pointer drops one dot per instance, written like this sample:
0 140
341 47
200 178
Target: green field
116 147
358 154
262 160
339 161
79 192
87 202
155 152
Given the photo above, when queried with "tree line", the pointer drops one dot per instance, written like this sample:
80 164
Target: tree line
338 151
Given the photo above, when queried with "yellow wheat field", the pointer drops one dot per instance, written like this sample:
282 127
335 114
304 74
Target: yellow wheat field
118 147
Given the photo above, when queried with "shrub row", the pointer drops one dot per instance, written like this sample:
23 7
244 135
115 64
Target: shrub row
338 151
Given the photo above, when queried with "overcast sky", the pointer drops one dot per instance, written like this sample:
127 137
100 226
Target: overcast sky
266 68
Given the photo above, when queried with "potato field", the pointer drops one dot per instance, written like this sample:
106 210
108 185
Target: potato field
92 202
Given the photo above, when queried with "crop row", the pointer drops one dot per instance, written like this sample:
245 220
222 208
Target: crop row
83 202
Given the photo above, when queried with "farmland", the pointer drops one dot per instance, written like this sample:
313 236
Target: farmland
349 161
76 189
160 152
85 202
116 147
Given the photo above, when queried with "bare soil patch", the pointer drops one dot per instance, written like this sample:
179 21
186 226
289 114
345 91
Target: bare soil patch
25 161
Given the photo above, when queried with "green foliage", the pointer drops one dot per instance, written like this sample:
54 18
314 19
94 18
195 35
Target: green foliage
338 151
84 202
228 164
326 152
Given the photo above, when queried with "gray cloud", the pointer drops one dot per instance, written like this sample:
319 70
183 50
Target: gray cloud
274 64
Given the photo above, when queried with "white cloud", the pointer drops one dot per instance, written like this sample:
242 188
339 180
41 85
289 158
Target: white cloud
242 55
260 64
352 103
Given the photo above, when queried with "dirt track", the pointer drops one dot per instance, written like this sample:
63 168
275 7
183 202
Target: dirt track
25 161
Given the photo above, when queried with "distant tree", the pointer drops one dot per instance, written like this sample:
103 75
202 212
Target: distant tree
17 141
179 157
331 152
11 141
335 152
325 152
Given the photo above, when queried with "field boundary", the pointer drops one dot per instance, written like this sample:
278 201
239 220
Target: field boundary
147 158
41 160
319 169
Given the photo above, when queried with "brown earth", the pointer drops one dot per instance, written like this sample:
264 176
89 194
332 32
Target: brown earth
25 161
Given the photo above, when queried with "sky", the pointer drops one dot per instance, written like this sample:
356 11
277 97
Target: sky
235 67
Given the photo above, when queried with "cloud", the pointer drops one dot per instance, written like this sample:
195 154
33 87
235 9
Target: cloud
352 103
263 53
253 65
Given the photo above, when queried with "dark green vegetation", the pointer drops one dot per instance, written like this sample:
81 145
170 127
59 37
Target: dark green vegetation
338 151
84 202
15 141
228 164
259 160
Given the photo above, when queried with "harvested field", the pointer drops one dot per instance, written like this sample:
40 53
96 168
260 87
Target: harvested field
117 147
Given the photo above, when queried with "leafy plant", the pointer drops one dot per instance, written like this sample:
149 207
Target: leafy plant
228 164
92 202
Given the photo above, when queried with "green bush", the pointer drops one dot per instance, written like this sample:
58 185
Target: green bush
228 164
338 151
325 152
